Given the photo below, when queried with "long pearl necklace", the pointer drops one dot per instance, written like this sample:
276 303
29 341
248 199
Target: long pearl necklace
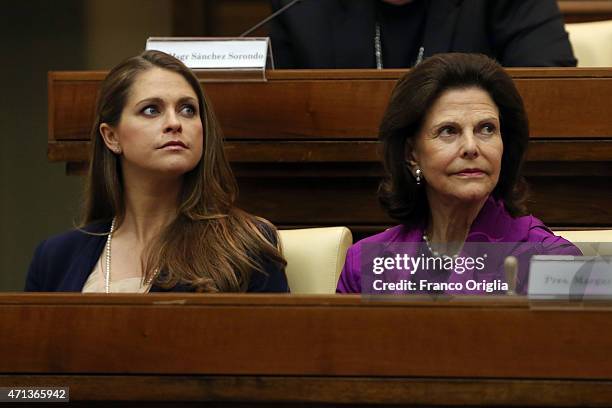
107 269
436 253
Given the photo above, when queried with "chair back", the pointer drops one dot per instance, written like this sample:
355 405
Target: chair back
590 242
592 43
315 257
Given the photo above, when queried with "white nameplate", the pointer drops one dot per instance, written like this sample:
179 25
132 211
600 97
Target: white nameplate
215 53
570 277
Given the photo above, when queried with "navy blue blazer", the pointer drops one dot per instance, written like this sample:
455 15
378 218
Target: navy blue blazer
63 263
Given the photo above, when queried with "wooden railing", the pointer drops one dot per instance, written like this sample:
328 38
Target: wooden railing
167 348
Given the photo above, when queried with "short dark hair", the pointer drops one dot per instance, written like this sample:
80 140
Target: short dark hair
413 96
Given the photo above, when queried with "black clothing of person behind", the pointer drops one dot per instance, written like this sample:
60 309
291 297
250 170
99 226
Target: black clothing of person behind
340 33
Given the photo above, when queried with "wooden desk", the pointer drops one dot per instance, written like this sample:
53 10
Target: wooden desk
303 144
580 11
314 350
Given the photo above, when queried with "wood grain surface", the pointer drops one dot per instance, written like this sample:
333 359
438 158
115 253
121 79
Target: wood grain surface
304 144
309 349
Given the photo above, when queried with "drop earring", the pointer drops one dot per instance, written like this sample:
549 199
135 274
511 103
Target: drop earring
417 175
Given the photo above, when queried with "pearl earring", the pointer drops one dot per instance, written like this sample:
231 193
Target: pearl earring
417 175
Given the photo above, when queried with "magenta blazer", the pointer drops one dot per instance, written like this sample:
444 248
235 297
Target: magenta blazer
527 234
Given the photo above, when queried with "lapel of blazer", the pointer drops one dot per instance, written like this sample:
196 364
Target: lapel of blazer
353 33
440 26
83 263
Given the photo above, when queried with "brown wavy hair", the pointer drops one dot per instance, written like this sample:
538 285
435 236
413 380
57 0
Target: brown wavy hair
411 99
210 245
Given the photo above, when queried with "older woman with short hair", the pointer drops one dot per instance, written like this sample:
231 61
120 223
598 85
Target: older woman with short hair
455 135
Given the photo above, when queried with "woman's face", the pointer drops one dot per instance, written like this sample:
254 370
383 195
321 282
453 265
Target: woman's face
459 147
160 130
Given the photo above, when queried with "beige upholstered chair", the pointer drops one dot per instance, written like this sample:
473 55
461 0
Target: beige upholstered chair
592 43
585 239
315 257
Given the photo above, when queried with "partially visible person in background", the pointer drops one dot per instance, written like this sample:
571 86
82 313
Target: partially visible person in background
400 33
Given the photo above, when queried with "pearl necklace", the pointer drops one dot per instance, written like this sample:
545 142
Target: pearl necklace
109 238
436 253
107 269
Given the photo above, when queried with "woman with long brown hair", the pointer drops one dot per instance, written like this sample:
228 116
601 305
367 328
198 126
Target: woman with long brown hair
160 209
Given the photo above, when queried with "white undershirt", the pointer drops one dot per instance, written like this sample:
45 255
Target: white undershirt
95 283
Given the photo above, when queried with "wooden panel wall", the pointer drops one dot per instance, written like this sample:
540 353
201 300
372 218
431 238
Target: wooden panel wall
580 11
214 18
303 144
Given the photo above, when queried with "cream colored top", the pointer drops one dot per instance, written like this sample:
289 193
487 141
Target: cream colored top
95 283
